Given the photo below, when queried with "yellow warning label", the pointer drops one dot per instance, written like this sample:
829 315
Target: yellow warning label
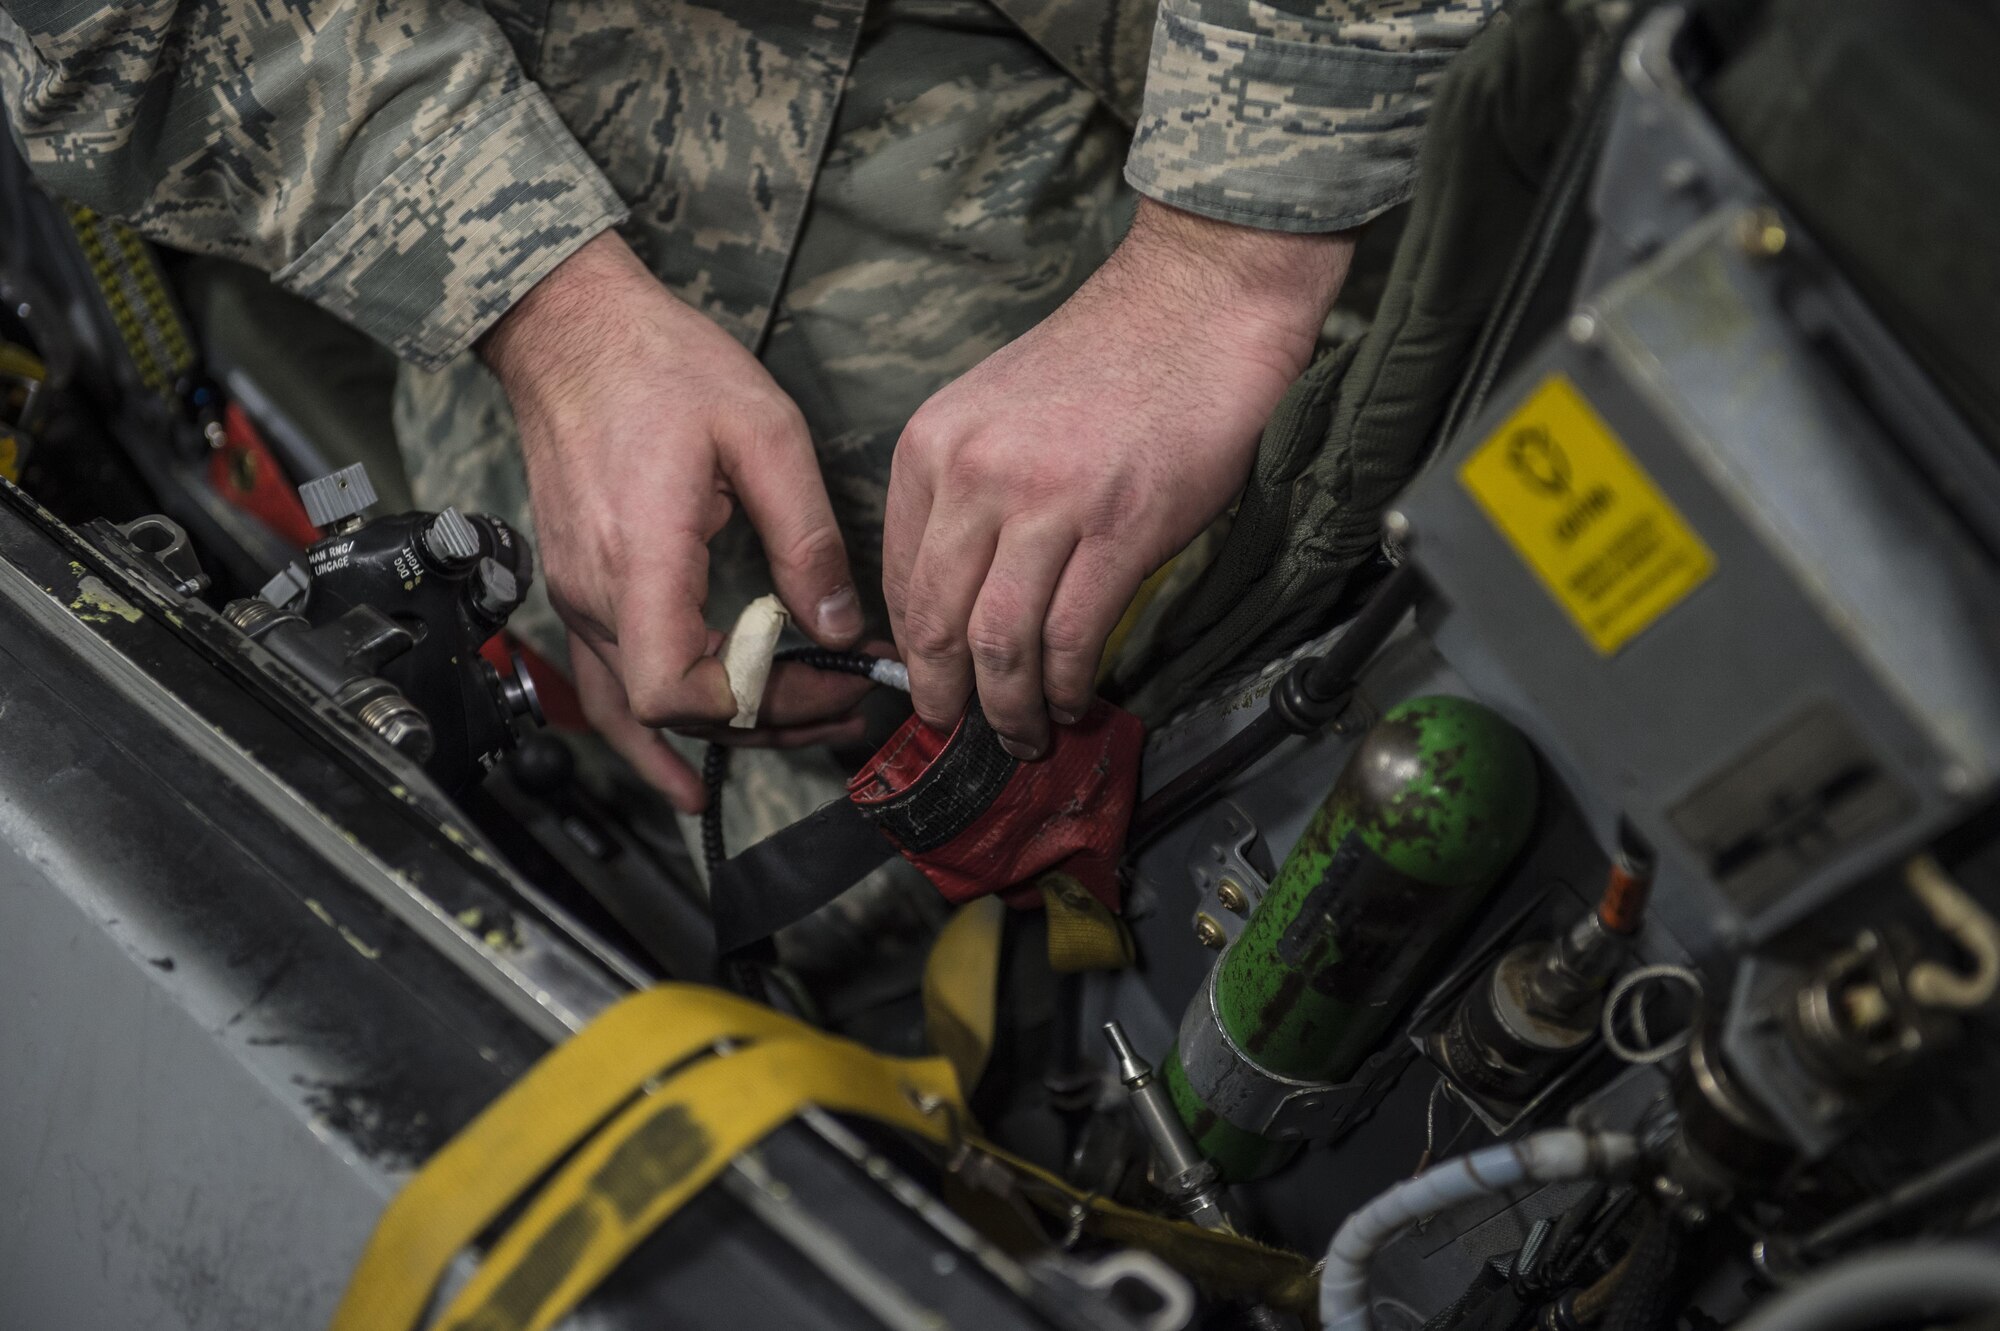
1588 521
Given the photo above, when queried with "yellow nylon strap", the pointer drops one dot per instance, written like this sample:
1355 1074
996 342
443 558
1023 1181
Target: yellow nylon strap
609 1184
1224 1263
562 1099
961 988
665 1148
1083 934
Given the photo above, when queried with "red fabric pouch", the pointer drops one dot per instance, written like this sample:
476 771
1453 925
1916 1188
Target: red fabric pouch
976 820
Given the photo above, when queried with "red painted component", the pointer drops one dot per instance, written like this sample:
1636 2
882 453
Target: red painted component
246 473
1070 810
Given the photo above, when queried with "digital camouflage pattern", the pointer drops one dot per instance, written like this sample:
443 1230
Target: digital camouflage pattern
387 161
970 186
1304 115
416 165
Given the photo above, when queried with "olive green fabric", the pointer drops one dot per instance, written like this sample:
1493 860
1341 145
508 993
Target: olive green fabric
329 382
1355 428
1879 125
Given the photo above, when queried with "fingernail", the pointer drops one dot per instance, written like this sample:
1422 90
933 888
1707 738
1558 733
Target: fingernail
840 615
1063 718
1021 751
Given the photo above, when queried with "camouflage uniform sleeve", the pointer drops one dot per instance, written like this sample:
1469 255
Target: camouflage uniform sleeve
389 161
1292 115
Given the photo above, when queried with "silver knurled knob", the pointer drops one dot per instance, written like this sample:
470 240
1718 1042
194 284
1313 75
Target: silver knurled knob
331 499
451 538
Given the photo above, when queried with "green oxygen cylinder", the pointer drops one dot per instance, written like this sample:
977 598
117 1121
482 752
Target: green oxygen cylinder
1434 803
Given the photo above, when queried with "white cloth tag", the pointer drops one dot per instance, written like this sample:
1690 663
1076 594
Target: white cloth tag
746 656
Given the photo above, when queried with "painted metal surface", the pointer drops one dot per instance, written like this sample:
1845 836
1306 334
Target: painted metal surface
1431 807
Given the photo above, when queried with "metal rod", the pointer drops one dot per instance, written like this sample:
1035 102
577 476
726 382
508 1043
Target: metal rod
1940 1180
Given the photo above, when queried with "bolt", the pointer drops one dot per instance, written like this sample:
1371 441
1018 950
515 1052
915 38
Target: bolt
398 721
1760 233
1582 328
1207 932
1867 1007
1230 893
1396 534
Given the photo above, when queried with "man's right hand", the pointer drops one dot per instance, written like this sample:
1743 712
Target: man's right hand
641 423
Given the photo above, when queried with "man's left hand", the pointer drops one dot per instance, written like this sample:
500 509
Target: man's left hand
1030 498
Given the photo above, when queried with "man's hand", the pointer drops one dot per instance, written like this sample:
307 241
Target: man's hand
1030 498
803 707
641 422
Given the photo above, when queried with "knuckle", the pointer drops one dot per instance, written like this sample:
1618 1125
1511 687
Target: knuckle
815 547
928 427
929 636
971 471
997 653
777 422
652 702
1066 642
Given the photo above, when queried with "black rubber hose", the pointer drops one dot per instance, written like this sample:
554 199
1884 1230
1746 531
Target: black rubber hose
1310 695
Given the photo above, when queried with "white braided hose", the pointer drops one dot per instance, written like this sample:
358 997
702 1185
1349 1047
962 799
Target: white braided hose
1560 1155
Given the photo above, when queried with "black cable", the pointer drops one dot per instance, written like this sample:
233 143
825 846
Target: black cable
714 772
750 973
1563 1249
1649 1295
1488 1280
838 663
1607 1223
1311 694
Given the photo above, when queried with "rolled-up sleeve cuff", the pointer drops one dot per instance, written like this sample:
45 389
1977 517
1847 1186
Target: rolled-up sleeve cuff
445 245
1276 132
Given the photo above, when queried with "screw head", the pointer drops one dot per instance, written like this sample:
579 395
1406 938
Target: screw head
1396 534
1760 233
1207 932
1230 894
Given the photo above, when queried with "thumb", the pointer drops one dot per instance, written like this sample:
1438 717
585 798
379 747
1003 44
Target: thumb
776 477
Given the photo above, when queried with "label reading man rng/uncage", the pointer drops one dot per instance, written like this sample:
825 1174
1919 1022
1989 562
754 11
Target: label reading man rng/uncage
1595 529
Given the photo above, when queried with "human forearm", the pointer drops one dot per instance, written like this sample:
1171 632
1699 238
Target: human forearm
390 163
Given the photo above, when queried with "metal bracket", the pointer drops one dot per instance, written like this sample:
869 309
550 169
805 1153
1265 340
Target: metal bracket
1231 872
160 547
